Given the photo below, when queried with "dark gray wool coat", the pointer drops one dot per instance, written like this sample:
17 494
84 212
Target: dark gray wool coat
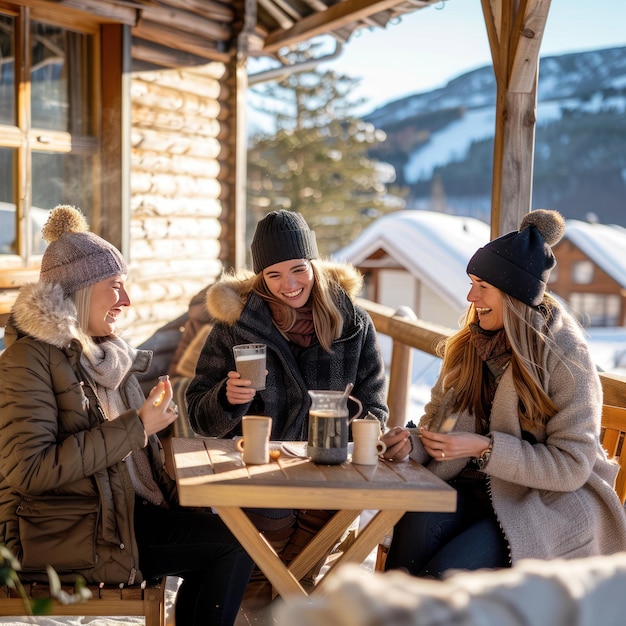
243 317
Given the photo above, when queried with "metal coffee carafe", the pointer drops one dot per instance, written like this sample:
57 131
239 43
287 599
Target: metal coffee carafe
329 421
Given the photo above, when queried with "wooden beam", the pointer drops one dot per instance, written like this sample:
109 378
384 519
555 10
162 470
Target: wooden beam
153 54
515 29
337 16
216 11
178 40
187 23
113 12
526 59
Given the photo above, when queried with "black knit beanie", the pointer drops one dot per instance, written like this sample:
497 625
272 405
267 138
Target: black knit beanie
281 236
520 263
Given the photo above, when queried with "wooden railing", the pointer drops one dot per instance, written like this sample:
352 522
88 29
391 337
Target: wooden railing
407 333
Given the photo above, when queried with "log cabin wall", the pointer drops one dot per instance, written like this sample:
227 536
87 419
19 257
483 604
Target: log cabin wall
179 127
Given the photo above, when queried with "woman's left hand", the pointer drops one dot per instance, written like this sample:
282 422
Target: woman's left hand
456 445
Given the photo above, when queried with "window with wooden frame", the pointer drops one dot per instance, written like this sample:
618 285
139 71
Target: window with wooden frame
50 128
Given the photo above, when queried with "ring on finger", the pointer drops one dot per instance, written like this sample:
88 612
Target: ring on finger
443 456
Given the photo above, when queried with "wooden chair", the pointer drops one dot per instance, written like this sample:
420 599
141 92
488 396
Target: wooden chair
147 600
613 430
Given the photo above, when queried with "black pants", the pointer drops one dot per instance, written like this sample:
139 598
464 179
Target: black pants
197 547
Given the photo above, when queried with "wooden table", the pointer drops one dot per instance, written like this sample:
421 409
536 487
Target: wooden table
211 473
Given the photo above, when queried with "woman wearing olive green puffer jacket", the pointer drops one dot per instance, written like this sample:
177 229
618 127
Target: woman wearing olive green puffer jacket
82 482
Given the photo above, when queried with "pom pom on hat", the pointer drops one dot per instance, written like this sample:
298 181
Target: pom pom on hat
75 257
282 236
520 263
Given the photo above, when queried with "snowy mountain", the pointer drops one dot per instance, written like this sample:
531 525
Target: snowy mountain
441 142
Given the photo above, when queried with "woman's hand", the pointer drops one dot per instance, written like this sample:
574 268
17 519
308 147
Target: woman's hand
158 411
398 445
456 445
238 390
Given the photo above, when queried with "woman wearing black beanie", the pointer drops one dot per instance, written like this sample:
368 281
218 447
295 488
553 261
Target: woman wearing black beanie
523 400
317 337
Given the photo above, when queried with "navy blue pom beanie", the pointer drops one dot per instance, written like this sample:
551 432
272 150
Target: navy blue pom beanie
520 262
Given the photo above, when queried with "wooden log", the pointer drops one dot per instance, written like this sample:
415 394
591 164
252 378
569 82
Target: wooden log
197 83
208 8
167 98
180 164
174 144
209 27
201 46
187 124
147 204
181 186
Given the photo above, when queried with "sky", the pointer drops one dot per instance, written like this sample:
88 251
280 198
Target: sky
433 45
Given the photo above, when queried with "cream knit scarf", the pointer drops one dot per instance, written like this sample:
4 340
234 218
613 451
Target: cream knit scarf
112 361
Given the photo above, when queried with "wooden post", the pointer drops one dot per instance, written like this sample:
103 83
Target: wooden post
515 30
400 375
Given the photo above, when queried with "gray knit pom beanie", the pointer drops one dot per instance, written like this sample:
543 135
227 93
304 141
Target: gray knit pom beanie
281 236
520 263
76 258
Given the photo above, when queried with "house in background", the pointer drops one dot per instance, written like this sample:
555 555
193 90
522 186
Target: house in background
591 272
419 259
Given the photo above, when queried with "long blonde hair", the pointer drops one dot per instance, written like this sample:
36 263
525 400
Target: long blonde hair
528 332
327 318
82 302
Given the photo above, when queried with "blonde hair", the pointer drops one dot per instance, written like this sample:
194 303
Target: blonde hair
327 318
82 301
528 332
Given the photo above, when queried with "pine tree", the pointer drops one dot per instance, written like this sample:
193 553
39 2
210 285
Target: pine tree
317 160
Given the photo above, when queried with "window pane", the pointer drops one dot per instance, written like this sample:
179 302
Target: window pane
8 221
60 178
60 89
7 65
597 309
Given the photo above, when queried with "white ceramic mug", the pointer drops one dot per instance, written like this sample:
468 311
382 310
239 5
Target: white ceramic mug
367 445
255 443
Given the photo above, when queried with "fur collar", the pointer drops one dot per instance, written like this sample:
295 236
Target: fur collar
226 299
42 312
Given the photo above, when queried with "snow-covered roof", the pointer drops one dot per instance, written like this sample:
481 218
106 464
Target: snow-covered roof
604 244
432 246
435 247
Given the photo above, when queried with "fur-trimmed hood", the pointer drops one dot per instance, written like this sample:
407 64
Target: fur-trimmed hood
42 312
226 299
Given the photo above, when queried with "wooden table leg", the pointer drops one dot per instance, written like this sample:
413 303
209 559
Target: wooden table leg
323 541
367 539
261 552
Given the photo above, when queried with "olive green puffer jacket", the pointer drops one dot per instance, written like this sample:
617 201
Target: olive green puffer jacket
66 497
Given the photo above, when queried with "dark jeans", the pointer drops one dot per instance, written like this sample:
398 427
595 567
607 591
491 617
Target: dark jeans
428 544
198 547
